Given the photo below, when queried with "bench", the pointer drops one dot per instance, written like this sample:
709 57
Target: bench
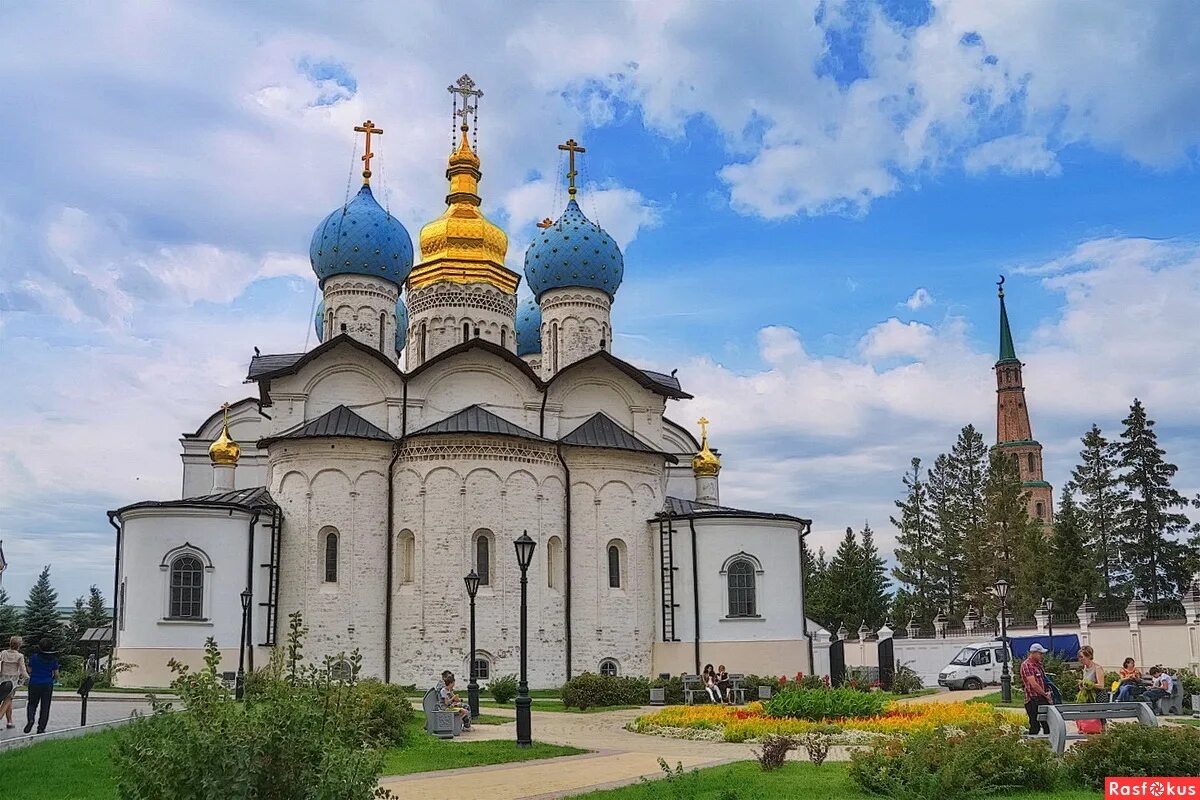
737 692
1171 705
439 720
1057 717
692 686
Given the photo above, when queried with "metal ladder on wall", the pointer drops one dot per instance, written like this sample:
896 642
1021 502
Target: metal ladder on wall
272 601
666 539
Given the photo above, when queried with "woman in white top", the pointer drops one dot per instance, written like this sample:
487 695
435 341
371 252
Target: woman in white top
12 672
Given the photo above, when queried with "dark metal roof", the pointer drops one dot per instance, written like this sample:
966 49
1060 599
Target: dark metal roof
478 343
97 635
601 431
656 382
476 419
339 421
680 508
268 364
243 499
664 379
271 366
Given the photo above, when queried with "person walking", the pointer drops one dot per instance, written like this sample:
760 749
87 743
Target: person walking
1033 682
12 673
43 671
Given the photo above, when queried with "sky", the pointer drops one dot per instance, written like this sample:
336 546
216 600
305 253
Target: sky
815 201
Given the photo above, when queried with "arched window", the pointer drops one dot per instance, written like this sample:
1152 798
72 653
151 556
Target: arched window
329 325
483 668
330 542
503 336
554 562
483 557
187 588
742 600
605 342
1032 463
1041 511
614 565
406 550
382 330
340 671
610 667
424 332
466 331
554 346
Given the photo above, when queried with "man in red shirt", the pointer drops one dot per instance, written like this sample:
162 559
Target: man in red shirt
1033 681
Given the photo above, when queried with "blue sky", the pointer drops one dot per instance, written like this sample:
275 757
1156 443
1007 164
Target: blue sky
815 200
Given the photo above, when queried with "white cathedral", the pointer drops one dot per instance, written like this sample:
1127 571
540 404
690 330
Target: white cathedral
435 421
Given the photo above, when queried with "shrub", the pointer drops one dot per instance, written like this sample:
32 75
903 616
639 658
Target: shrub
590 690
674 687
387 709
940 765
504 688
774 752
1134 751
817 743
906 680
1191 686
819 704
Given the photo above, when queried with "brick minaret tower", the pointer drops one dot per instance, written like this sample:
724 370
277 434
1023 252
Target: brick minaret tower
1013 432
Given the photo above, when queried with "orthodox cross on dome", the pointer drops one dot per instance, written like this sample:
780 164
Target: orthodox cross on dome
572 147
464 87
368 128
703 423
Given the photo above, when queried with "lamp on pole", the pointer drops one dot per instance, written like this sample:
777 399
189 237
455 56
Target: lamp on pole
1049 601
1001 587
524 546
472 582
239 687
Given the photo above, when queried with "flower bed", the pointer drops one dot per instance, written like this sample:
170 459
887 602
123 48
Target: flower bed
750 722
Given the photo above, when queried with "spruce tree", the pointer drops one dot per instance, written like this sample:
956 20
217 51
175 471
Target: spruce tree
10 618
1148 522
914 549
40 620
874 580
968 476
1101 496
98 614
76 626
945 537
816 605
842 582
1013 551
1073 574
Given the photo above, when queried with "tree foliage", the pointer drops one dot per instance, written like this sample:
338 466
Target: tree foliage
1101 497
40 620
10 618
914 546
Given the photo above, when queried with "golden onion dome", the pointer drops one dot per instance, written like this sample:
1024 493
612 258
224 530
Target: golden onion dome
462 245
224 451
706 463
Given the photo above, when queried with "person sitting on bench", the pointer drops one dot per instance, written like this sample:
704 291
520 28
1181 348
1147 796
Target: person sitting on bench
710 683
1161 685
453 702
724 685
1131 679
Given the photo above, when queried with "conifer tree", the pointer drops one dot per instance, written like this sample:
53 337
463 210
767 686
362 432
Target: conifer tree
945 537
816 604
1009 540
1073 574
98 614
10 618
76 625
842 582
967 489
914 549
874 580
40 620
1148 520
1101 496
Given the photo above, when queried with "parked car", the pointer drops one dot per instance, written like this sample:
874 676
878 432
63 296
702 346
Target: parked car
975 666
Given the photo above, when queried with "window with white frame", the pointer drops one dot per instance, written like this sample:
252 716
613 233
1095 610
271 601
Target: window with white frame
554 563
616 563
341 671
186 588
610 667
330 543
743 601
483 669
483 556
406 550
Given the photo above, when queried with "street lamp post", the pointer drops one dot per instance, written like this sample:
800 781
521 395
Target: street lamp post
524 546
239 687
472 582
1001 588
1050 621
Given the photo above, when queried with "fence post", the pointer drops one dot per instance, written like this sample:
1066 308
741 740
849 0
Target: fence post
821 642
1191 607
887 659
939 626
1136 611
1087 615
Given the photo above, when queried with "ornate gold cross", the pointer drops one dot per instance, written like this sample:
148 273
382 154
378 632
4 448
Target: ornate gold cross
368 128
572 147
703 423
465 87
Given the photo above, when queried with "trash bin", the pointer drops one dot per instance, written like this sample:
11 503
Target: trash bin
658 696
764 693
1196 706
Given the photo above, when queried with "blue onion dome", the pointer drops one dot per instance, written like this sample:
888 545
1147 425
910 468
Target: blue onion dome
529 327
401 325
319 320
361 238
574 251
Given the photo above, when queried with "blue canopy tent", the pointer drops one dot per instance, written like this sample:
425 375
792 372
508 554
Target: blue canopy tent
1065 646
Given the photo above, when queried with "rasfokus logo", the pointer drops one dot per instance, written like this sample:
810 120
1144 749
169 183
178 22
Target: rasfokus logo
1151 787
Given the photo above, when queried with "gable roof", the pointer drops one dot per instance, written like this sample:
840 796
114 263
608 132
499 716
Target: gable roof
679 508
479 343
477 419
265 367
250 499
338 421
665 385
601 431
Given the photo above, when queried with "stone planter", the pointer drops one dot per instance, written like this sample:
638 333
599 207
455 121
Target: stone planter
764 693
1196 706
658 696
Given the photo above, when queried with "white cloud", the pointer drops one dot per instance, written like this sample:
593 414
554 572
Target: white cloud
919 299
894 338
1013 154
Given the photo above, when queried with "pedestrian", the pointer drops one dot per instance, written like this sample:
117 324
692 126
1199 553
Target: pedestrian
43 671
1092 676
12 672
1033 681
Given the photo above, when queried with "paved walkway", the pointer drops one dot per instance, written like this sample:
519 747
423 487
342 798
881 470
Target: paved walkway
65 708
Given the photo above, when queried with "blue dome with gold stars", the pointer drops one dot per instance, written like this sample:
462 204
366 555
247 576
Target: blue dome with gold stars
574 251
361 238
529 328
401 323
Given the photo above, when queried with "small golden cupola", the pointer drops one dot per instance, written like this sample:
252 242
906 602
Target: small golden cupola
224 452
705 464
462 245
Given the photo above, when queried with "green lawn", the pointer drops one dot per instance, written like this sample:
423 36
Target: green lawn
746 781
490 719
1195 723
80 769
993 699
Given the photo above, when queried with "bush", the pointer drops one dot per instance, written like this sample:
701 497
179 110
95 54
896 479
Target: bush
819 704
1134 751
939 765
504 688
590 690
387 710
906 680
774 752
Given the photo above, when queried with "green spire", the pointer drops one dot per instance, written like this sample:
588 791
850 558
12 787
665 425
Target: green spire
1007 351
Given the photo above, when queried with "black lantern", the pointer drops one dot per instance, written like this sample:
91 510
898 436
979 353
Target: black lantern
525 547
239 689
1001 587
472 582
1049 603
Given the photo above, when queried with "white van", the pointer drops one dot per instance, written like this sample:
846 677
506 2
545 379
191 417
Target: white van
975 666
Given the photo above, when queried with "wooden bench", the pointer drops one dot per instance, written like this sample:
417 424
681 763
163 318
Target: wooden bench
439 720
1057 717
692 686
737 692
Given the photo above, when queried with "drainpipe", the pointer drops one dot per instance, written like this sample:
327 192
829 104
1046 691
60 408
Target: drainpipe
254 515
695 592
391 545
116 593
